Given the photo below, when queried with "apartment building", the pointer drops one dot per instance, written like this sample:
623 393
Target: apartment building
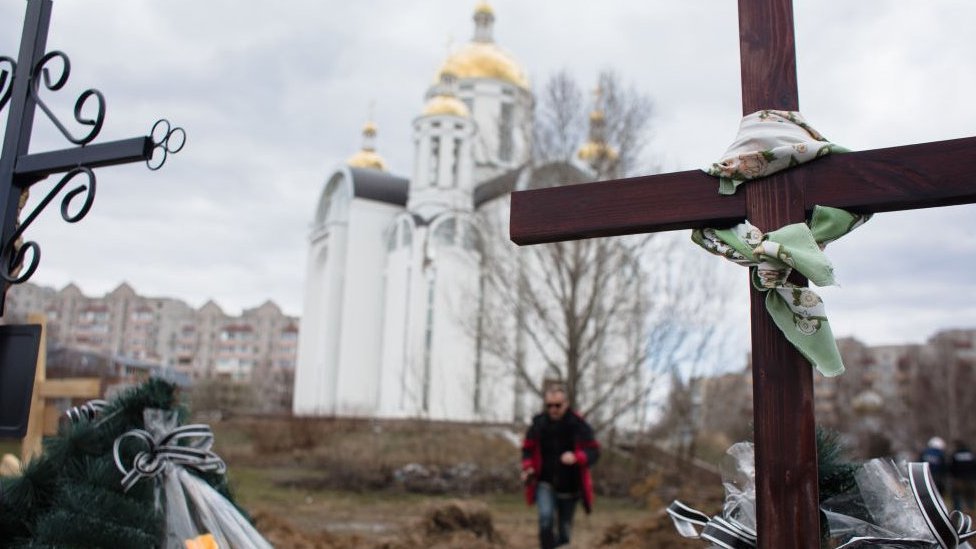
259 345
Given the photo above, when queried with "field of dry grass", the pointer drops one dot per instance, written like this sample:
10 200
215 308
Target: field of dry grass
333 485
328 484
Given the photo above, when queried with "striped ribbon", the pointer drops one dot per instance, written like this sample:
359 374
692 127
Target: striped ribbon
188 446
950 530
725 533
87 411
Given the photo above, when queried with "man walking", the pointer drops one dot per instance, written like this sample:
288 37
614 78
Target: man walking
557 454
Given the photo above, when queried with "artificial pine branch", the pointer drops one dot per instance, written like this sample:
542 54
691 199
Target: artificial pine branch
71 497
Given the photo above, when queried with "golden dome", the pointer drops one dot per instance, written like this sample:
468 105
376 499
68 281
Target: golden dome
367 159
447 105
596 151
597 116
484 60
484 7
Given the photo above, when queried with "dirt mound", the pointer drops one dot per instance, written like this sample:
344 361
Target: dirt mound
657 532
281 533
460 517
453 525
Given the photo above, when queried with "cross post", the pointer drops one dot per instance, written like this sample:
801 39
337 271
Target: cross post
21 84
897 178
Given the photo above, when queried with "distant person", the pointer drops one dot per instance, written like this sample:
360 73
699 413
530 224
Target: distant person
962 474
557 454
934 454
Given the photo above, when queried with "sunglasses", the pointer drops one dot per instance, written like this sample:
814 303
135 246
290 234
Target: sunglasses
553 405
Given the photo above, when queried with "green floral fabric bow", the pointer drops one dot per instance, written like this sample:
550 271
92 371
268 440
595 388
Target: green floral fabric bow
797 311
770 141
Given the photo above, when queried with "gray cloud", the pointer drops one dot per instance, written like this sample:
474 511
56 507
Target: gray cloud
273 96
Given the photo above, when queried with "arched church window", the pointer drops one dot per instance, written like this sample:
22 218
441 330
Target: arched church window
471 238
401 235
506 128
334 201
406 233
434 164
445 233
455 162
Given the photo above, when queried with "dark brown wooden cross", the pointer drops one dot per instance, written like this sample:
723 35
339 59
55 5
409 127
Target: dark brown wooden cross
898 178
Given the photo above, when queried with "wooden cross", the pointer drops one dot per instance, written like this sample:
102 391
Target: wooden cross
898 178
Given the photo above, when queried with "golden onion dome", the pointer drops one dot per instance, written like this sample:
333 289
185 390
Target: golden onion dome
367 159
597 116
484 7
484 60
445 105
367 156
593 151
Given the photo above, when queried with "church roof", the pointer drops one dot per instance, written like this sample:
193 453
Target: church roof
379 186
539 177
497 186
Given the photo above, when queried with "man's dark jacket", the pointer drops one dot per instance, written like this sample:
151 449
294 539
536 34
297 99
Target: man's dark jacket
585 448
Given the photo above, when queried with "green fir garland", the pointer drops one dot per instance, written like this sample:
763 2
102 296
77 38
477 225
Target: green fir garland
71 497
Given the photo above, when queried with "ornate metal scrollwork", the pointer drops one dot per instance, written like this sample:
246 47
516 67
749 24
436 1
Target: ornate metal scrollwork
15 256
167 139
6 80
42 72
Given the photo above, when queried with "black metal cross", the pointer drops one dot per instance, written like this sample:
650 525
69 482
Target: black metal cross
898 178
21 81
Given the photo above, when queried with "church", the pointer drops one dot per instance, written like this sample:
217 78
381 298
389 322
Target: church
394 286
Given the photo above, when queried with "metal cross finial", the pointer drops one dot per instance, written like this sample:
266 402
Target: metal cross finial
598 94
22 82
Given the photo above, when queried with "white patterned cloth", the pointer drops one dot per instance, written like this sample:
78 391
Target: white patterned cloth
768 141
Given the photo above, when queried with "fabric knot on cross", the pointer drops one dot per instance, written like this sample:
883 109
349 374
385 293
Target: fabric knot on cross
768 141
771 141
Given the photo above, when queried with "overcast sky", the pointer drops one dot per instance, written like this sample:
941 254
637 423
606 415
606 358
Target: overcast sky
273 96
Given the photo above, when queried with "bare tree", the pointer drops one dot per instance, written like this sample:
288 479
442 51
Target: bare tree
939 399
604 317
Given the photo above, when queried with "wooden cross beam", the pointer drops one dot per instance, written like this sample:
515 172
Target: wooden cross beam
915 176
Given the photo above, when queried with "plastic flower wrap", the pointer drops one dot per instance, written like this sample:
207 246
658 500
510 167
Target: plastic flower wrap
196 515
891 507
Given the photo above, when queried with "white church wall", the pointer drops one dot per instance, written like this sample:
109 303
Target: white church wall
317 365
398 293
485 98
309 367
442 181
452 383
360 347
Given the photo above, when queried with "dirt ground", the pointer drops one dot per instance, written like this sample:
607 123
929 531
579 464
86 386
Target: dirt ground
330 494
382 521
